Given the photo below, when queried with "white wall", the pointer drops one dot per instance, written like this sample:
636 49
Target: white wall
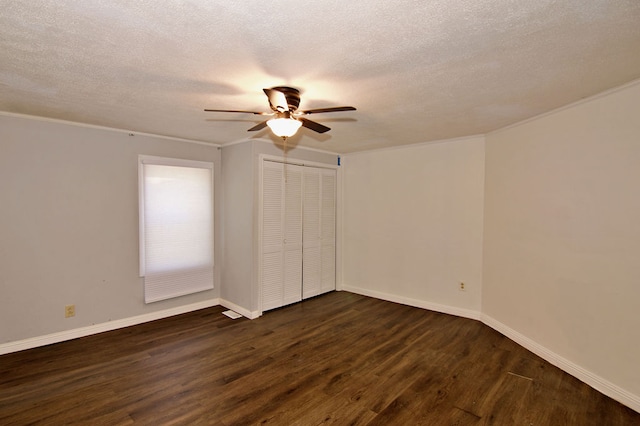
412 224
69 226
237 220
562 237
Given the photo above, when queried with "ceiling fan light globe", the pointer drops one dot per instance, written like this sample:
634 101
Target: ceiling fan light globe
284 127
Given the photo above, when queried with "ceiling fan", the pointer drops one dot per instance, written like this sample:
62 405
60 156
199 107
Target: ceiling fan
287 119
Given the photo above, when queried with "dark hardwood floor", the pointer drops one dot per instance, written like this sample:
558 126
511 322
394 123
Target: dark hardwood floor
339 359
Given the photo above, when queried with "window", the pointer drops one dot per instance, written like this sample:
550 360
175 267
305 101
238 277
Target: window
176 226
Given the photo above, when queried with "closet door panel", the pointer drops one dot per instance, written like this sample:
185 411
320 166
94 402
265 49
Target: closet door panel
311 267
292 234
328 207
272 206
272 278
281 235
292 280
328 271
272 255
293 207
311 207
328 230
311 253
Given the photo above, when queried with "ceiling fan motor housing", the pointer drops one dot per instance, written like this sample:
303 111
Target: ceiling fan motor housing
291 94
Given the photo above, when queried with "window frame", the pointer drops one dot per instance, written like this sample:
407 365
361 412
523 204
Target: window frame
173 162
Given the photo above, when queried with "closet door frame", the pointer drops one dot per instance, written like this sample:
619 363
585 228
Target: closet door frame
338 234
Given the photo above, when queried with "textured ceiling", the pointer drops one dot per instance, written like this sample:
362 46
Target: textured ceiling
416 70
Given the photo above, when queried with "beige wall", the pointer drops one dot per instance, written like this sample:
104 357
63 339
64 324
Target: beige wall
413 224
562 235
69 225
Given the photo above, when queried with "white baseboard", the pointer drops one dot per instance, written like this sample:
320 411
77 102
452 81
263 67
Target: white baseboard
598 383
417 303
239 309
49 339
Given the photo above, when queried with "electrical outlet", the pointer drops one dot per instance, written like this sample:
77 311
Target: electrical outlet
462 286
70 311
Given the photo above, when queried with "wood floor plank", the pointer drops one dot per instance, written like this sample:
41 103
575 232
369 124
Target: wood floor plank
340 359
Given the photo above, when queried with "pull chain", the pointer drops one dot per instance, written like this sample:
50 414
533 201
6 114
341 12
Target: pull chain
284 147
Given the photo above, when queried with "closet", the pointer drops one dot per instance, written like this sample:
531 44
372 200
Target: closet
298 227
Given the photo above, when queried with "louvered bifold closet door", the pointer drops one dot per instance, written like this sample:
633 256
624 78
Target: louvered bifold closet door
319 231
328 230
298 233
311 253
281 235
292 234
272 235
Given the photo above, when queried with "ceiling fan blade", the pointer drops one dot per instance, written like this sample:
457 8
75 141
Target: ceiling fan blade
234 110
330 109
258 126
277 100
316 127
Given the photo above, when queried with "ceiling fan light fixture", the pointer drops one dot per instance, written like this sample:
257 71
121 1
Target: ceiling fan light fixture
287 119
284 127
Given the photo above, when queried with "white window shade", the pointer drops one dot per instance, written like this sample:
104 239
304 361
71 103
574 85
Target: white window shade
176 226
